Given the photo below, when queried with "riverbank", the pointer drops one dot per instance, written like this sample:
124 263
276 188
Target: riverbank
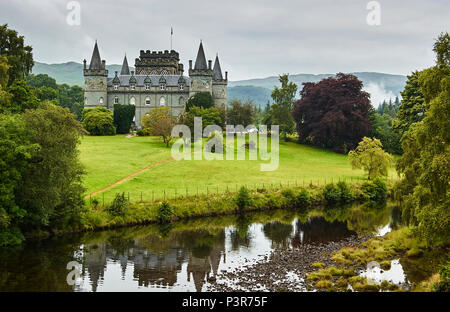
123 213
345 266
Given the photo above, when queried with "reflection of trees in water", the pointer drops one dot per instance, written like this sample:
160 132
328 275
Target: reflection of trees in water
318 230
396 217
368 217
279 233
239 236
37 266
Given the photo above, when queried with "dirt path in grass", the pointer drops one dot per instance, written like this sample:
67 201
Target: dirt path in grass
129 177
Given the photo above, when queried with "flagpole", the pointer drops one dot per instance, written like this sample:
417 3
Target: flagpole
171 35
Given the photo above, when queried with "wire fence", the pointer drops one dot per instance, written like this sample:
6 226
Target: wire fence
226 188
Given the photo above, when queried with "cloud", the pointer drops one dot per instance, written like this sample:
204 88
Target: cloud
254 38
378 93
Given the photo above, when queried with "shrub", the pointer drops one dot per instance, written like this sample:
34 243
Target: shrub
165 212
375 190
289 195
303 199
243 199
331 194
99 122
143 132
118 205
346 193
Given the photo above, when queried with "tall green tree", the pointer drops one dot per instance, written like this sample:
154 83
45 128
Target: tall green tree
200 99
370 157
241 113
18 54
17 151
425 163
22 97
51 187
412 107
123 117
281 110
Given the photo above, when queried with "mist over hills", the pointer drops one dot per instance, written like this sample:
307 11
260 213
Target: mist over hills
381 86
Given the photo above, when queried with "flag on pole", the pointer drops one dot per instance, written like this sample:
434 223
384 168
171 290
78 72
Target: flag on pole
171 30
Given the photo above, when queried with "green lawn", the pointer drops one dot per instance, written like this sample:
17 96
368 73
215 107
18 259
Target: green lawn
109 159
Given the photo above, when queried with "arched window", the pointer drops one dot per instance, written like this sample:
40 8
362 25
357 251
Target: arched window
147 101
132 101
100 100
162 101
147 86
116 100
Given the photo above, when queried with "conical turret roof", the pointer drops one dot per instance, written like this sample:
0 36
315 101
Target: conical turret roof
217 71
95 59
200 62
125 69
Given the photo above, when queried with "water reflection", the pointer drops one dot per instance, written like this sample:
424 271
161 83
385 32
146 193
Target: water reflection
182 256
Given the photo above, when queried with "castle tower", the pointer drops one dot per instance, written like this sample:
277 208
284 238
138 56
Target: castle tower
125 69
201 74
95 81
219 85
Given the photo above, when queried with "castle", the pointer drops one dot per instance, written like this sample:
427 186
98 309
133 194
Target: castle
158 81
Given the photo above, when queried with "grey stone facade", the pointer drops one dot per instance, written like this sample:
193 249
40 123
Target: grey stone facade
158 81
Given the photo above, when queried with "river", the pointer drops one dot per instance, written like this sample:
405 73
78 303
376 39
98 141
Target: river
183 256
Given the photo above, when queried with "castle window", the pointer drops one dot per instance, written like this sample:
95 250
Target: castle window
116 87
147 87
181 86
100 100
116 100
162 101
147 101
132 86
162 86
132 101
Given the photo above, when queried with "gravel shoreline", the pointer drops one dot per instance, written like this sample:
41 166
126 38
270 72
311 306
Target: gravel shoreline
282 270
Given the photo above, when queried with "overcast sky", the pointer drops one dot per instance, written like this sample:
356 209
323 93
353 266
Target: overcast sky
254 38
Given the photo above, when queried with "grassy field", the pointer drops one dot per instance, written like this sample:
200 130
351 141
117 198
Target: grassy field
111 159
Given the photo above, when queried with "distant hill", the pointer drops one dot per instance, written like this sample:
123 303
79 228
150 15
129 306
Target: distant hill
70 72
381 86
